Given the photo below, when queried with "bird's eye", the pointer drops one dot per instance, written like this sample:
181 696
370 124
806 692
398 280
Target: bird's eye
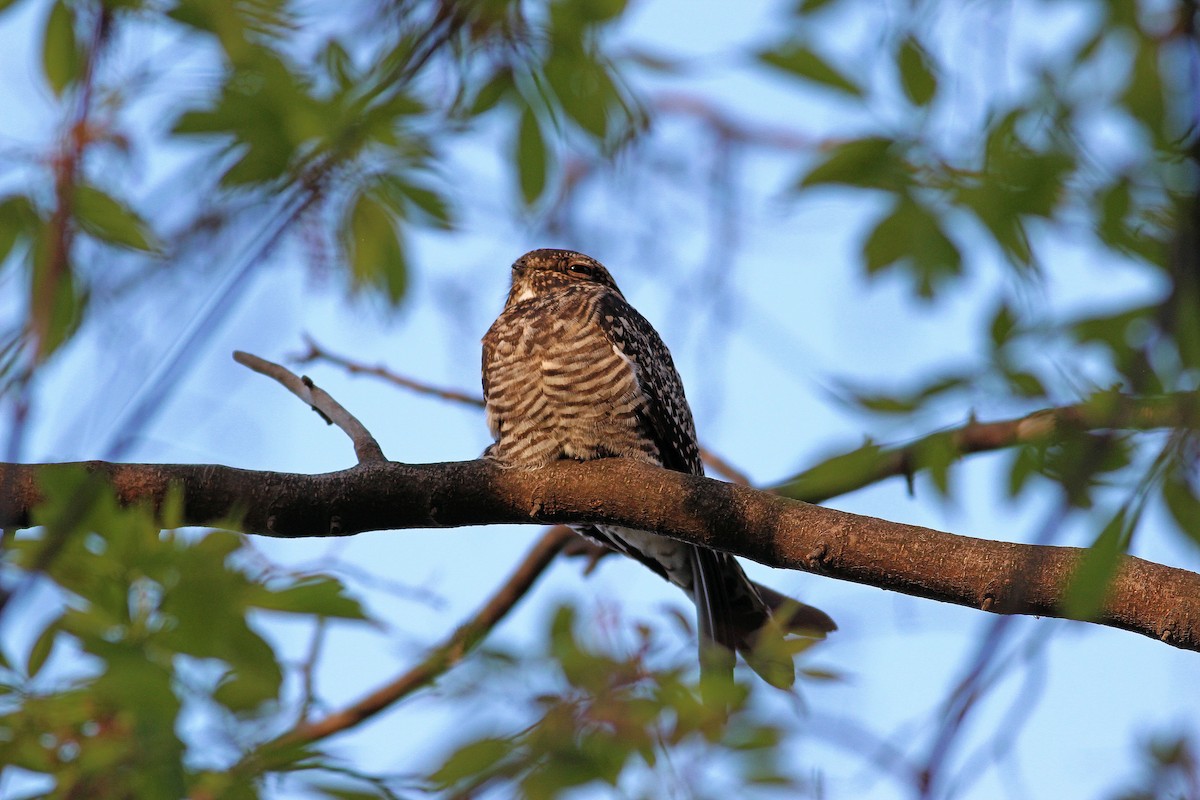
581 269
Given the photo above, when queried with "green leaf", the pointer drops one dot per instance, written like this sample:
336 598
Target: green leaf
912 235
111 221
317 595
532 158
373 248
916 73
578 14
41 649
18 221
1088 587
583 89
492 92
61 59
471 760
802 62
810 6
936 454
1004 323
405 198
832 475
1144 96
1183 502
872 162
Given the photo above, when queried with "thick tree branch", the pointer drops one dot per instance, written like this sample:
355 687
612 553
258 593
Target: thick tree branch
1151 599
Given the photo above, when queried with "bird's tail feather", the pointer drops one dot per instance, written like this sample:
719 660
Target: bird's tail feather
735 614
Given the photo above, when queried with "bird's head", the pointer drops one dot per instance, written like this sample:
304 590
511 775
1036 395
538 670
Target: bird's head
539 272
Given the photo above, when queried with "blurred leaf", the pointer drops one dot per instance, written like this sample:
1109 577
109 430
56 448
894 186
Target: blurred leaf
584 89
61 59
1088 588
1078 460
471 760
833 474
373 248
339 792
491 93
317 595
1025 464
1017 182
911 236
41 649
532 158
810 6
800 61
1004 323
408 200
870 163
111 221
935 454
61 315
1183 503
916 73
18 220
1025 384
1144 96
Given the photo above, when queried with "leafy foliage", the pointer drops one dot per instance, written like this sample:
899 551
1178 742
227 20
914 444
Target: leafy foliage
134 613
617 716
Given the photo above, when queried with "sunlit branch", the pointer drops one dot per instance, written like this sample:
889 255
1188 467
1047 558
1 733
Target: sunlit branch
365 446
1110 411
450 652
1000 577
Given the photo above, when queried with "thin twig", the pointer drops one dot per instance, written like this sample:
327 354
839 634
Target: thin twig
316 352
365 446
319 353
452 651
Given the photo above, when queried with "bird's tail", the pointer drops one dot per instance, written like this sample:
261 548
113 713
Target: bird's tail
735 614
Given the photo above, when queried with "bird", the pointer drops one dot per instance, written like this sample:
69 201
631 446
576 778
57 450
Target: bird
572 371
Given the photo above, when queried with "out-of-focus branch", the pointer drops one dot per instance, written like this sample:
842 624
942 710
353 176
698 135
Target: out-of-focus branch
67 165
1000 577
1110 411
365 446
316 352
450 652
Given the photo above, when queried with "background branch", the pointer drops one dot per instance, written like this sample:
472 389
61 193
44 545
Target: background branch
316 352
1151 599
1108 411
450 652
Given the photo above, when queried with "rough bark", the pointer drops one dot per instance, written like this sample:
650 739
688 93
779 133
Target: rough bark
1151 599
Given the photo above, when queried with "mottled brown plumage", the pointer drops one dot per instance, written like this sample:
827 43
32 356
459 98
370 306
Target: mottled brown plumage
571 370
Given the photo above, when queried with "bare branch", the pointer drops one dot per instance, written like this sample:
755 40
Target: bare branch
446 655
316 352
365 446
1000 577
